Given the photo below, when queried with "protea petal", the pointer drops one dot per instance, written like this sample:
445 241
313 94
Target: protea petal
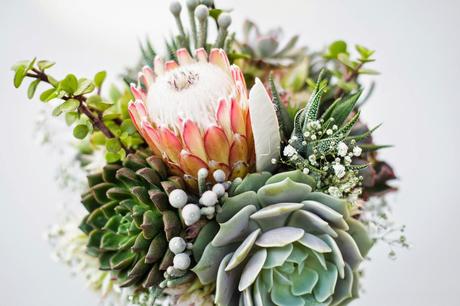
213 166
184 57
134 115
191 163
151 136
238 149
219 58
137 92
193 139
216 145
201 55
223 117
159 65
170 143
237 118
171 65
149 76
175 169
238 76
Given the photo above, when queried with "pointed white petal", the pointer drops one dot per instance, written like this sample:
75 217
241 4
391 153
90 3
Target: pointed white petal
265 127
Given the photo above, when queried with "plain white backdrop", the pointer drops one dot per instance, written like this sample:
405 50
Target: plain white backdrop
418 48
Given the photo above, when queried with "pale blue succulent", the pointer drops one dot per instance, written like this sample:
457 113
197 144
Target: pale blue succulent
280 243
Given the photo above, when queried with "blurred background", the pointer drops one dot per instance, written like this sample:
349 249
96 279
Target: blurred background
417 45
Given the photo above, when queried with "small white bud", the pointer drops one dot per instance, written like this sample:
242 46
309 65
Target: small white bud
339 170
274 161
224 20
177 245
175 8
170 270
306 170
357 151
218 189
191 4
181 261
191 214
178 198
208 211
189 246
203 173
342 149
201 12
209 198
219 175
313 137
329 132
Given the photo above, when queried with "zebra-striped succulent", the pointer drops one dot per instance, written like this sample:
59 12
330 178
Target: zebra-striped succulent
278 242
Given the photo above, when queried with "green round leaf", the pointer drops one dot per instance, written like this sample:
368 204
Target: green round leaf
70 105
98 138
112 157
80 131
48 95
99 78
32 88
84 86
19 76
71 117
43 64
113 145
69 84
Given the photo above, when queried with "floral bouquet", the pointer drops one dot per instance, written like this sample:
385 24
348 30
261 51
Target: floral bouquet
237 170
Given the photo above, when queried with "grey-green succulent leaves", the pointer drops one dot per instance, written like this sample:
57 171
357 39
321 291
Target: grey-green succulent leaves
281 243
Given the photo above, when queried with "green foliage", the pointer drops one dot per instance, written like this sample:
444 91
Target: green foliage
105 121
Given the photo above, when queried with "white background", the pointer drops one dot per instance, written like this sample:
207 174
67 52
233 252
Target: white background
417 99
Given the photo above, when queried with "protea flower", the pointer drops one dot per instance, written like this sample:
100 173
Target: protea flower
195 113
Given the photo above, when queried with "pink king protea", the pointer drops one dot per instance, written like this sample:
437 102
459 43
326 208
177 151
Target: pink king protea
195 114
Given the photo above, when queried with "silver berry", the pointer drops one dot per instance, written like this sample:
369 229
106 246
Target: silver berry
178 198
181 261
191 214
177 245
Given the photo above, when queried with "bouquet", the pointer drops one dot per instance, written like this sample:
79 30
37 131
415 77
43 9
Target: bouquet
231 170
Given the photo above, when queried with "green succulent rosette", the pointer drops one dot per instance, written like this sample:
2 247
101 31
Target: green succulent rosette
277 242
130 221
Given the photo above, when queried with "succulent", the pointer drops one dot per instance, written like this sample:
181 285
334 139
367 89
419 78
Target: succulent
130 220
266 48
278 242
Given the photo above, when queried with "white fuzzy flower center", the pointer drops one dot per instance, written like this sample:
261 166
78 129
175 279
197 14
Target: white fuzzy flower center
188 92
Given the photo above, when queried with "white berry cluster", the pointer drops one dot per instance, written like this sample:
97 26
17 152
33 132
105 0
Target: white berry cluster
208 203
331 163
181 261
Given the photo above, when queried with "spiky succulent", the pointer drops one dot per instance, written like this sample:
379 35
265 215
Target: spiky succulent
321 143
278 242
130 220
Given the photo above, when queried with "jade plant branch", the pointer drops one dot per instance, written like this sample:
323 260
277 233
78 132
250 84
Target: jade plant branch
83 108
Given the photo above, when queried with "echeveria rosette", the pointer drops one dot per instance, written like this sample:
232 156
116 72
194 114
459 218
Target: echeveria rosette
130 221
280 243
195 114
